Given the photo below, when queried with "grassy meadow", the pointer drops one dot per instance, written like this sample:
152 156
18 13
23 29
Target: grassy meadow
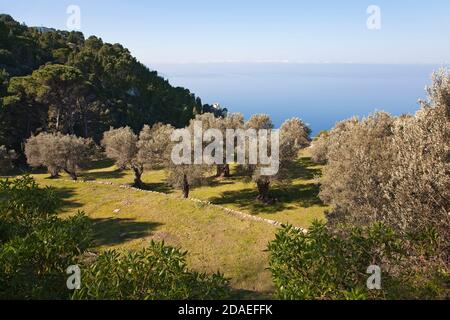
126 218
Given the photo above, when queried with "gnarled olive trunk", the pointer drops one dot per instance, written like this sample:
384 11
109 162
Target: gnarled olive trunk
53 171
138 170
185 187
263 192
223 171
54 175
72 174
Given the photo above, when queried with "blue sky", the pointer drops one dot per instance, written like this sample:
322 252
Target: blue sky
180 31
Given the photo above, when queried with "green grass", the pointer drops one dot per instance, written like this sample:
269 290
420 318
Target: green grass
214 239
298 203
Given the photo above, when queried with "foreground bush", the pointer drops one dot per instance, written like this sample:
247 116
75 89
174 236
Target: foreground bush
24 206
156 273
326 265
36 246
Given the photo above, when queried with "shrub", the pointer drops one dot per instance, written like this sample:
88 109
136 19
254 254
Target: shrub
24 205
322 264
155 273
36 246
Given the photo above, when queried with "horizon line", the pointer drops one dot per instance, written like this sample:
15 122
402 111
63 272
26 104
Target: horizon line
443 63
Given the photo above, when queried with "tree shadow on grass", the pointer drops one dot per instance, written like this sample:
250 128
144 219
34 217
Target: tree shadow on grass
288 195
103 175
217 182
304 169
100 164
158 187
246 200
66 196
306 195
114 231
109 171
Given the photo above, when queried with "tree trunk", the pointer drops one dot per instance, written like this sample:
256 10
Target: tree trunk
137 177
185 187
28 123
54 175
72 174
223 171
263 192
85 126
71 123
84 118
58 115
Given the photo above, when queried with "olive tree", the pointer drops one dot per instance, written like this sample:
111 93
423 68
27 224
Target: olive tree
121 145
58 152
319 148
185 173
154 145
233 121
417 193
293 136
394 170
186 176
358 165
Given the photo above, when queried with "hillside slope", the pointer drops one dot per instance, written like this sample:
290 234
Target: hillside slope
60 81
127 219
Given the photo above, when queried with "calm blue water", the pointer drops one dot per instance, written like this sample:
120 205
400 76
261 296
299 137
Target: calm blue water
320 94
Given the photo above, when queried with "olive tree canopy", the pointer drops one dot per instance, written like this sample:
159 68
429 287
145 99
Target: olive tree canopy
57 152
121 145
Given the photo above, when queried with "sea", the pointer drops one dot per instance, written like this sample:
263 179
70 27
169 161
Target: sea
319 94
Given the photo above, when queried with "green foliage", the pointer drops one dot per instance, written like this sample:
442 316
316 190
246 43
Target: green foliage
217 110
389 169
59 152
158 272
33 266
59 81
322 264
36 246
23 206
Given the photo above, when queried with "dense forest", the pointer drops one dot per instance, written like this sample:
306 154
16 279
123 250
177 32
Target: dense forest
58 81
